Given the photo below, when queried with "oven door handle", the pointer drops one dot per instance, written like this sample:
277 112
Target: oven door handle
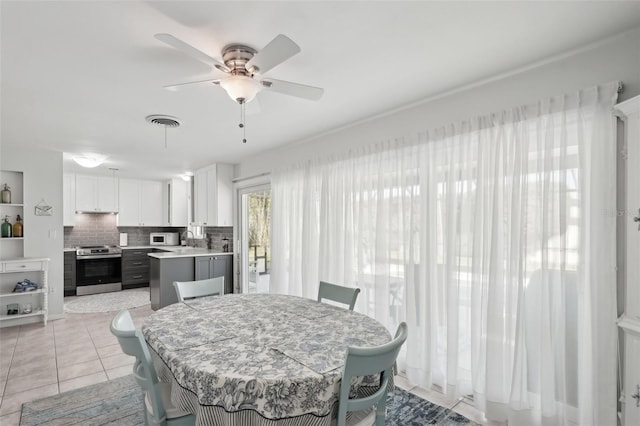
100 256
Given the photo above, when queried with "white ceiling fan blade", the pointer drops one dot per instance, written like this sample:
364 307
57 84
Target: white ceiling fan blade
174 87
277 51
191 51
293 89
253 107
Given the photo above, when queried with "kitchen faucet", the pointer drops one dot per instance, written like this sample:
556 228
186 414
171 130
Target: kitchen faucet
193 237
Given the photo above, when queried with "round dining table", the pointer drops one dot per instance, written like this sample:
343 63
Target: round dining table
258 359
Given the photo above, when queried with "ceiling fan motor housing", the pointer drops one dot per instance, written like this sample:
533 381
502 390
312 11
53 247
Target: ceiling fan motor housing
236 56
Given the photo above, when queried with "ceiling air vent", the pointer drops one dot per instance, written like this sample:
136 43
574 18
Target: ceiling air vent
163 120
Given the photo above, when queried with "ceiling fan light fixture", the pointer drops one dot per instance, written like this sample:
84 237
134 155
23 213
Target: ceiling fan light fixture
90 160
241 88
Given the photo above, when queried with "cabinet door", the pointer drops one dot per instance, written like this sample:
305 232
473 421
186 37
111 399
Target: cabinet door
86 193
150 203
218 267
68 200
200 195
213 194
202 267
632 379
221 267
632 277
69 274
129 203
107 194
96 194
224 195
175 203
631 318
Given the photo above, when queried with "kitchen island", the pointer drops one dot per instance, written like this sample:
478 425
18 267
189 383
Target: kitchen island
185 264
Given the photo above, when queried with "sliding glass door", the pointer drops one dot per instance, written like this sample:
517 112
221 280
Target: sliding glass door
255 238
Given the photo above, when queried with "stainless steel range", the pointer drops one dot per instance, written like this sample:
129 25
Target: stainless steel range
98 269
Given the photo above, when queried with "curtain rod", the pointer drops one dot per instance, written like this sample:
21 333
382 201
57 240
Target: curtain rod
240 179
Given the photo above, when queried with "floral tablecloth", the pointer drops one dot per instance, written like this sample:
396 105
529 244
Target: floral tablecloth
252 359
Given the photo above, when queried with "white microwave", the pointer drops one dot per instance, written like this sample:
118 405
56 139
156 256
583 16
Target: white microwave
163 239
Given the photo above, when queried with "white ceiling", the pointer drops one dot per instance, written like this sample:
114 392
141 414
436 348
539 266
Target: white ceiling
82 76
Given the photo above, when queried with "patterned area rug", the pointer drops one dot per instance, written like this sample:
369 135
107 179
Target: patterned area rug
407 409
119 402
107 302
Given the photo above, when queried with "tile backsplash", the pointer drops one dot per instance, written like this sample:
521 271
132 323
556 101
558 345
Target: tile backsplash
92 229
216 236
102 229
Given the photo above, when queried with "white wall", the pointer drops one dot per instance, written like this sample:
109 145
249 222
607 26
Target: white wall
613 59
43 234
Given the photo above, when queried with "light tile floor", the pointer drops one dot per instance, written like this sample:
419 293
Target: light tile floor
79 350
38 361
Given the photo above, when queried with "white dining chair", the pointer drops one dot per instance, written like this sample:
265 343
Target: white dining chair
158 408
338 293
365 362
199 288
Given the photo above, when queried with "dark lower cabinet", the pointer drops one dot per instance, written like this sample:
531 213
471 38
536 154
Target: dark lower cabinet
215 266
163 273
69 273
135 268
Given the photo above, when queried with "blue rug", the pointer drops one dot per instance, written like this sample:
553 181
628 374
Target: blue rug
407 409
119 402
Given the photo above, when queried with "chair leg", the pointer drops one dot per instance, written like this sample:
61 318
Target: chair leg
381 410
144 410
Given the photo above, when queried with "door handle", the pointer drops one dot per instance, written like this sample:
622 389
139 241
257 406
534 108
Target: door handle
637 219
636 396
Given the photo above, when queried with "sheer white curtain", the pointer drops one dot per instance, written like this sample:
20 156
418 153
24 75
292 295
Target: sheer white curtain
493 238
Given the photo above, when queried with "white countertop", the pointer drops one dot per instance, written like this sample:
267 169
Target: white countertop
66 249
148 247
171 251
181 251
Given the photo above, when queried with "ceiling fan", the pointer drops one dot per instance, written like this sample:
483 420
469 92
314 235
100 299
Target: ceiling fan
245 66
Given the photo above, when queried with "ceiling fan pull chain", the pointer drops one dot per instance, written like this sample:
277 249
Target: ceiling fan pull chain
242 122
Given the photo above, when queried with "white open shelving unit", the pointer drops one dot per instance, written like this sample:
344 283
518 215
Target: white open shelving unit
14 267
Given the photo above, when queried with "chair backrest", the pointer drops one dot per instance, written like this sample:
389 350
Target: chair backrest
337 293
200 288
366 362
132 343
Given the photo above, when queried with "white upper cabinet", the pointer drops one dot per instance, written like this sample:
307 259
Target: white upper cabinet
68 200
213 195
175 202
96 194
140 203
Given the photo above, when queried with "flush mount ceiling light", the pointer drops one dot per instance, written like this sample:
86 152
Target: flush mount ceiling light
90 160
163 120
186 176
